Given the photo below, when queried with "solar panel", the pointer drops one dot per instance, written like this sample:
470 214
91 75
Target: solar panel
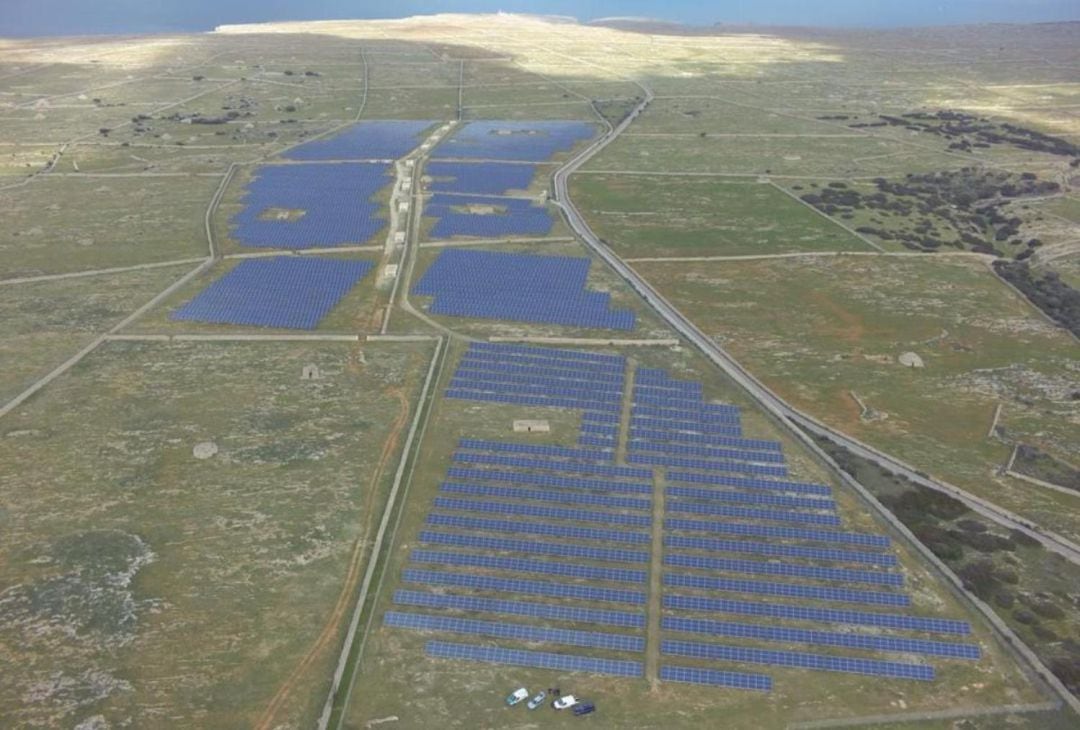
491 178
539 449
737 454
826 615
531 547
874 577
776 500
787 590
697 438
377 139
780 550
564 466
532 141
550 480
601 390
748 482
873 642
715 677
686 426
787 533
822 662
732 466
486 217
290 292
543 401
601 376
545 511
724 510
581 392
544 495
518 585
552 612
529 565
536 528
498 629
513 286
298 206
558 353
543 660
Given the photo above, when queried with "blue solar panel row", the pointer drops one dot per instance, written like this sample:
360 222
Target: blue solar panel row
581 394
787 590
600 389
553 353
651 436
826 615
542 660
544 358
734 466
873 642
698 427
812 572
650 399
599 431
598 374
715 677
533 510
518 287
607 439
526 400
786 533
749 513
685 387
539 495
800 660
740 454
777 500
518 585
530 141
521 632
780 550
282 291
535 528
748 483
611 418
539 449
549 480
552 612
676 416
335 203
528 565
485 178
486 217
368 140
532 547
564 466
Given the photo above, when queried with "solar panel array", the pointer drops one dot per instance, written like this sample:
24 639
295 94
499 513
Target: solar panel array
520 288
383 139
334 202
486 216
574 526
484 178
290 292
531 141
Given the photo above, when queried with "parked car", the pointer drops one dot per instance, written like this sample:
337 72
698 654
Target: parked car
537 700
517 696
565 701
584 708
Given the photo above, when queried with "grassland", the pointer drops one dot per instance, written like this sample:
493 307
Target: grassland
845 323
688 216
43 324
143 583
61 224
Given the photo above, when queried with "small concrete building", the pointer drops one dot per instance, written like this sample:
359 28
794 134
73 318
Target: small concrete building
399 237
529 425
310 372
403 206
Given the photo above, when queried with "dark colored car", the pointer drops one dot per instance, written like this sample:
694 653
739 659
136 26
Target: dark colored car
585 708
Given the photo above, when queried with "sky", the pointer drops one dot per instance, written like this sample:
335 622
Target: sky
73 17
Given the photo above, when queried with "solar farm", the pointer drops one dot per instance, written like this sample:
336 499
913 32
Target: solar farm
359 374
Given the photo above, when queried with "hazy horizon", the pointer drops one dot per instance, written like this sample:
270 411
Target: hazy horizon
80 17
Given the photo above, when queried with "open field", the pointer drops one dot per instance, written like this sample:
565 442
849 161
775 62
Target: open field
56 225
687 216
143 583
847 320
